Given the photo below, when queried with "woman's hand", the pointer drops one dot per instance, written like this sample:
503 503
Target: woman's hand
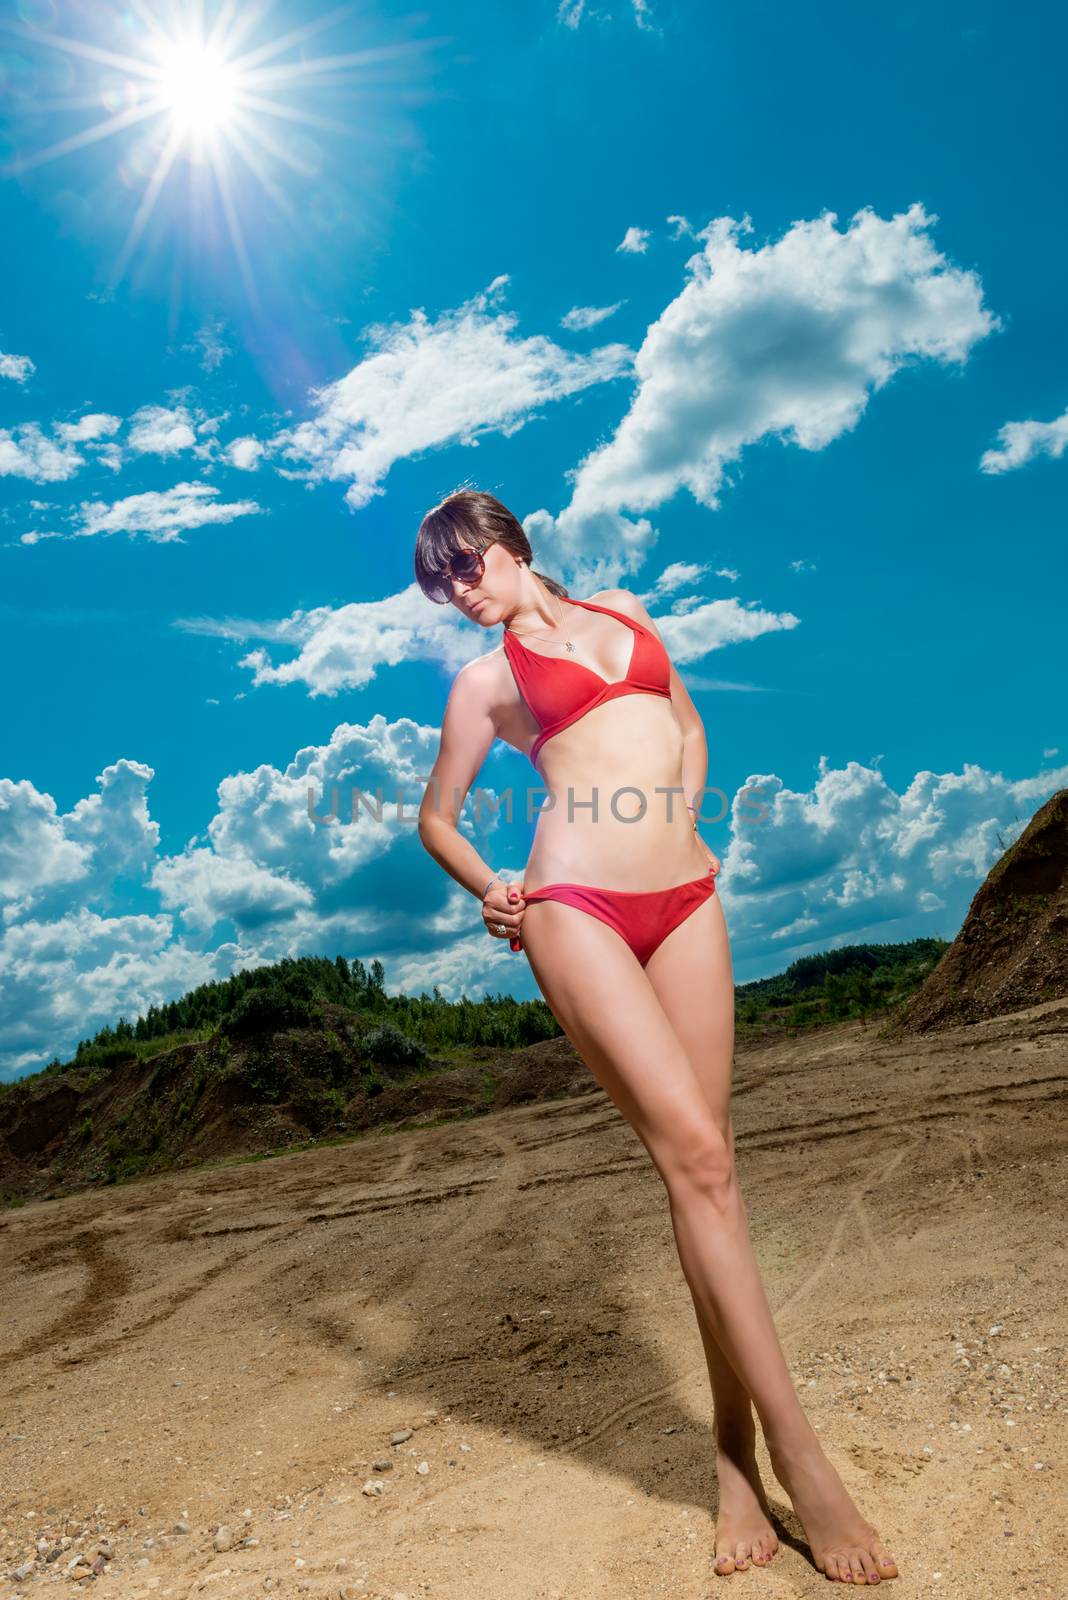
714 859
502 911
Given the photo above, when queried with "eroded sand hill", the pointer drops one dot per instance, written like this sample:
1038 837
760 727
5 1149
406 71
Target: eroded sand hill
247 1339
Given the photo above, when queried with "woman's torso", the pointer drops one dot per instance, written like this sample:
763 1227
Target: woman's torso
615 813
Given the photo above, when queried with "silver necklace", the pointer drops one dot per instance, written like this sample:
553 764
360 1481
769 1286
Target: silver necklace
526 634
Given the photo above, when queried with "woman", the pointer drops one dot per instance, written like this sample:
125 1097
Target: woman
618 901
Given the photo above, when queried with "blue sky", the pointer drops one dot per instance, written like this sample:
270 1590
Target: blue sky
754 310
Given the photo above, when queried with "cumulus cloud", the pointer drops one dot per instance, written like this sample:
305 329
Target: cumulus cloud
847 861
429 383
162 515
707 625
245 453
27 452
61 981
273 875
63 966
787 340
1021 442
852 860
17 368
343 647
44 854
170 430
635 242
674 576
94 425
275 872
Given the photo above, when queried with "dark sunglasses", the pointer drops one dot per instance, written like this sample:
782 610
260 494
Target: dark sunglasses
466 567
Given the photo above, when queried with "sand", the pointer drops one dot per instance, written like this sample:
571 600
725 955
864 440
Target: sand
235 1346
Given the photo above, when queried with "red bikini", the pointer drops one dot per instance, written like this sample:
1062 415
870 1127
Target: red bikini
558 693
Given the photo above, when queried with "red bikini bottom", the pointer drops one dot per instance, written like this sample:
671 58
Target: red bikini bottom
643 917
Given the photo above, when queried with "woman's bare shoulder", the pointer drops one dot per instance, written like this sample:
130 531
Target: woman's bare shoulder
626 601
482 676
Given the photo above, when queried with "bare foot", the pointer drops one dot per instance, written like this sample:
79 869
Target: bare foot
743 1530
844 1544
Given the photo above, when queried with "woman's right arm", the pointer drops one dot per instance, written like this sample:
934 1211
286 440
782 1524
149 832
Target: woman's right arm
467 732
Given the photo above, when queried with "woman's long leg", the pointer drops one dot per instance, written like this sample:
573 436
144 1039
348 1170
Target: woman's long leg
700 1007
609 1009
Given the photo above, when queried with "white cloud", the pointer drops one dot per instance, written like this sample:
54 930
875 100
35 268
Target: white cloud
35 851
788 340
168 430
635 242
62 965
265 879
674 576
106 836
852 860
18 368
162 515
209 344
278 874
582 317
62 980
711 624
94 425
245 453
1021 442
427 384
344 647
26 452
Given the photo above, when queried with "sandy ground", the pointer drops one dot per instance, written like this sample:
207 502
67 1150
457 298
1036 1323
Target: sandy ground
236 1345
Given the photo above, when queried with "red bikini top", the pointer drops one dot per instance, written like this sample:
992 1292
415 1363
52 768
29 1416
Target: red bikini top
559 692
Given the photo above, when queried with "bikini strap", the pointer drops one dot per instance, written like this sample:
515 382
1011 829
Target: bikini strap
621 616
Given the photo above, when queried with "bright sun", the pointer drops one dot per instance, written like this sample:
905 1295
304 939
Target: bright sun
198 87
184 84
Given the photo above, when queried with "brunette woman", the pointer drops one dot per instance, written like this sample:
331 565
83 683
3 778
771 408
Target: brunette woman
618 917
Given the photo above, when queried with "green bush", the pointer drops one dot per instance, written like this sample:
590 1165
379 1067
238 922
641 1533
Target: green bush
390 1048
266 1010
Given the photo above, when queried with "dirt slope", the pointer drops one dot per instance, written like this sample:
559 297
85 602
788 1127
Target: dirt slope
1012 948
211 1099
236 1345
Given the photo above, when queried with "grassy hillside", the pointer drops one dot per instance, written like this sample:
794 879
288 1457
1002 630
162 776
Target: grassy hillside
309 1050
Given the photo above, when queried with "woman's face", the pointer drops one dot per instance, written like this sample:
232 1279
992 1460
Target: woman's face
494 595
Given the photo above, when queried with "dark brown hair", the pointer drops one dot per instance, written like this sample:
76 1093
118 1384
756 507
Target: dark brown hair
471 518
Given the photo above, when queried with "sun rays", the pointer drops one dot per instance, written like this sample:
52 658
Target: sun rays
186 89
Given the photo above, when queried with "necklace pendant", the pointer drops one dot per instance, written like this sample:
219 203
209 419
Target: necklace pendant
570 646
